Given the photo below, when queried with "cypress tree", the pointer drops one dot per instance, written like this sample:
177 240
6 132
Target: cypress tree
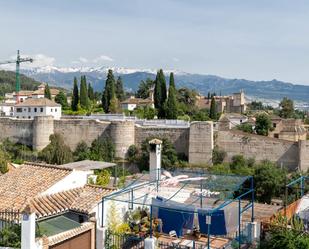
109 90
157 92
90 92
161 112
75 96
47 93
171 105
119 89
213 112
84 103
163 87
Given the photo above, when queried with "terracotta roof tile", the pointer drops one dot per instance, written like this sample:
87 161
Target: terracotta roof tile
20 185
82 200
37 102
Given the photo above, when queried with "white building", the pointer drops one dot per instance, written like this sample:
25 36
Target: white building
30 108
7 109
132 103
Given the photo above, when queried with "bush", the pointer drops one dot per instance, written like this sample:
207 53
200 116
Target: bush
103 178
102 149
268 180
132 153
57 152
218 155
245 128
82 151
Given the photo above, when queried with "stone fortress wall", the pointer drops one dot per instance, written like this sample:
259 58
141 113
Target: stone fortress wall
196 141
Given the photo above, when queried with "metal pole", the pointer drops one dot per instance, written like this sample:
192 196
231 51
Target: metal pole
150 230
208 236
239 221
302 190
201 196
252 199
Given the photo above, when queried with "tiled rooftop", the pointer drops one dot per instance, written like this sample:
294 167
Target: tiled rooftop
82 200
20 185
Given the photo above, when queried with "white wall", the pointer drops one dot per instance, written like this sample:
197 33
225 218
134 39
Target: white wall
31 112
129 107
8 110
76 179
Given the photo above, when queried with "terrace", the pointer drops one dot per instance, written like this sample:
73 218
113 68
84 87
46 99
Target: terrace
189 209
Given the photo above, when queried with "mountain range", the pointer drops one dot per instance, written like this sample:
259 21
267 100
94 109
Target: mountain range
270 92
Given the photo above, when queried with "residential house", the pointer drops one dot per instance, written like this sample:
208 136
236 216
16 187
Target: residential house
33 107
132 103
61 201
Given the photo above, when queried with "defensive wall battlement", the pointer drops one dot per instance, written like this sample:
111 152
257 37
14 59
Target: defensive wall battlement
195 141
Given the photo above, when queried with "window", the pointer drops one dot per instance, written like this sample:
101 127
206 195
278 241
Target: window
56 109
25 109
274 125
41 109
51 109
276 135
29 109
19 110
29 117
35 109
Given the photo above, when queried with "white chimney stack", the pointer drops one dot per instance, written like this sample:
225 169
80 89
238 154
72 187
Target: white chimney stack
155 160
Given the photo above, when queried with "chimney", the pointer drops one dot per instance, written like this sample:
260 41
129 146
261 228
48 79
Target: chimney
155 159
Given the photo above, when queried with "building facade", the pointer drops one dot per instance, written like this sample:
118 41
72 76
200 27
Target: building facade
31 108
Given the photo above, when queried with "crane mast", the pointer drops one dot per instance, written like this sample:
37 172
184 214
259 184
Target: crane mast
18 61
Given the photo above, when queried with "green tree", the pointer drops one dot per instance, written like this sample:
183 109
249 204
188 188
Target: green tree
286 108
57 152
145 112
213 109
61 99
171 104
268 180
114 105
47 93
109 91
84 101
82 151
75 96
157 92
102 149
144 88
262 124
119 89
90 92
3 161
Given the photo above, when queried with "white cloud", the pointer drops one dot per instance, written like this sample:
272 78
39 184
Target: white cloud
39 60
83 59
102 58
175 59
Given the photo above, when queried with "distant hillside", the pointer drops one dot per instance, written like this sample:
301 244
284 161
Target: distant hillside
272 90
8 80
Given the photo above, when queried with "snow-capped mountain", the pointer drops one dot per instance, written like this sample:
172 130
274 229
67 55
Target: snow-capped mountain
269 91
102 70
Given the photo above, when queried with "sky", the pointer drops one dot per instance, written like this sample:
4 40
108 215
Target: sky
250 39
